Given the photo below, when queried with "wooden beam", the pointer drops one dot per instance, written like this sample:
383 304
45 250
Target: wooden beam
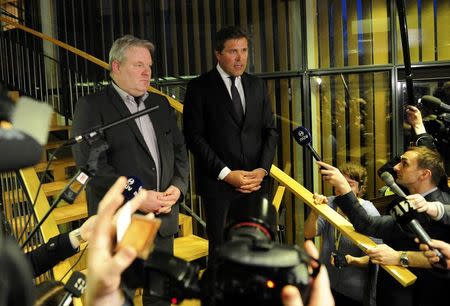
402 275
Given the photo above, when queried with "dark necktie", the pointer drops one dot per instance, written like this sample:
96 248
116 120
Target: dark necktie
237 104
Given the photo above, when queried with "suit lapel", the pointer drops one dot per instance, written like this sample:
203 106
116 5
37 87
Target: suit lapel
122 109
249 101
224 95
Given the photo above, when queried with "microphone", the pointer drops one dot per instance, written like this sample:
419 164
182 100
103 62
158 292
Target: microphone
68 194
435 103
75 287
134 185
96 131
388 179
132 188
303 137
19 150
404 214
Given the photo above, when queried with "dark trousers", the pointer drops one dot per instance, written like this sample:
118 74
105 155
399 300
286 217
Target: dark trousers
220 213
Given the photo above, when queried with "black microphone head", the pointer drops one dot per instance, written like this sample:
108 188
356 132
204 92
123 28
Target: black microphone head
302 136
387 178
76 284
402 211
134 184
19 150
428 100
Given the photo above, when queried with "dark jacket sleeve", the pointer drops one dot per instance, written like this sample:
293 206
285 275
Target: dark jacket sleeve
48 255
375 226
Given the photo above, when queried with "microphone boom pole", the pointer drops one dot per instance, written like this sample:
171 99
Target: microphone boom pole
406 54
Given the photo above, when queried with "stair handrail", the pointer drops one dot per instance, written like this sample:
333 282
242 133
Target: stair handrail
401 274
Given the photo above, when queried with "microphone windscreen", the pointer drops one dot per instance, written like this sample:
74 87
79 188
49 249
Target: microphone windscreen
302 136
32 117
134 184
76 284
387 178
430 100
19 150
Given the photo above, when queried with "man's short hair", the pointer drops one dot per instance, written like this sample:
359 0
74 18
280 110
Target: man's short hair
355 172
431 160
122 44
228 33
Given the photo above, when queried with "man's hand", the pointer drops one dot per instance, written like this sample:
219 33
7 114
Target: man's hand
334 177
383 254
414 117
160 202
320 199
421 205
87 227
105 267
245 181
320 288
442 246
252 181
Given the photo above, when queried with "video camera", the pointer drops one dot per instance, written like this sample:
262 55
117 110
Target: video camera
249 269
437 124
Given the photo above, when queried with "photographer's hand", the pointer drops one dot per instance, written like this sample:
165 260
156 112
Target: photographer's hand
414 117
320 291
104 265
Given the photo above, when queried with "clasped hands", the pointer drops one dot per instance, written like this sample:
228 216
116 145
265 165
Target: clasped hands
246 181
160 202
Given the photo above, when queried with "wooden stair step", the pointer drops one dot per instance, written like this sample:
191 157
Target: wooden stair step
54 144
55 128
185 223
54 188
190 248
63 162
70 212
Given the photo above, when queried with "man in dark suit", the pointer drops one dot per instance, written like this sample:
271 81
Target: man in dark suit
150 147
420 170
229 128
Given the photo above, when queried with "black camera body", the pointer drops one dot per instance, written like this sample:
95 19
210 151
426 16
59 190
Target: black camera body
249 269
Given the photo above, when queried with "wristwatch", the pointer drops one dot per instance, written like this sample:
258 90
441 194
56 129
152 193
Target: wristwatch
404 261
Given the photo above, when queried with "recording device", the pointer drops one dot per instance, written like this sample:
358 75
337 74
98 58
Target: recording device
434 103
303 137
439 126
339 260
388 179
404 214
134 185
74 287
19 150
249 269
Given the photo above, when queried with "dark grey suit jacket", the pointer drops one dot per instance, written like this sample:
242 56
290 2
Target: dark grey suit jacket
215 137
128 154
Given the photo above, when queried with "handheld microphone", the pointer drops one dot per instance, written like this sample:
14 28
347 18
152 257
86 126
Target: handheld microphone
434 103
388 179
75 287
134 185
132 188
303 137
404 214
19 150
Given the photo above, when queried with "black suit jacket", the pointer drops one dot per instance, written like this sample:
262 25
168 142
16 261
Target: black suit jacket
128 154
215 137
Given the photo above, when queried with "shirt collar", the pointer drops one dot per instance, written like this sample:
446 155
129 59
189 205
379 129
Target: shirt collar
424 194
126 96
223 74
